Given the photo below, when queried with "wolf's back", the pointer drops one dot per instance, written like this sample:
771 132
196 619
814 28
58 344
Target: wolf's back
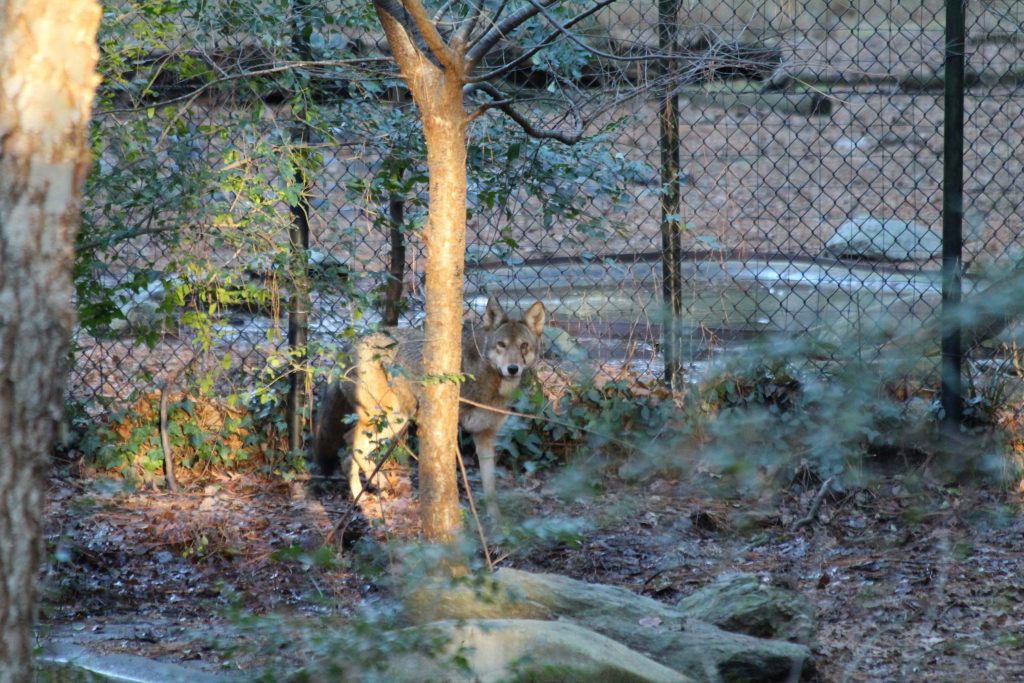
384 364
389 367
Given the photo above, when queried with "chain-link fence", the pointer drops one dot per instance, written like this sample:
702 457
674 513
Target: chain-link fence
809 186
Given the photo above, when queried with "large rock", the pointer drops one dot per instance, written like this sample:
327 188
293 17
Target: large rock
528 650
804 103
668 635
742 603
560 345
889 239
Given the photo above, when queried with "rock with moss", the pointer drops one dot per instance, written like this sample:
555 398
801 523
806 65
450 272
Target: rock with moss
884 239
530 650
666 634
742 603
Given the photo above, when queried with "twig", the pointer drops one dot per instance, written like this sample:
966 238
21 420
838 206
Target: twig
812 514
343 523
165 442
501 558
472 509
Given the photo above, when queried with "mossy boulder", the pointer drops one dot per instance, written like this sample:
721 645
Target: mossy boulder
742 603
666 634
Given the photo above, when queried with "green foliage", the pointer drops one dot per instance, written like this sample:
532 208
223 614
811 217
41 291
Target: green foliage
562 63
322 557
773 413
757 421
616 415
508 167
990 392
444 378
774 385
203 433
547 532
365 648
187 210
769 417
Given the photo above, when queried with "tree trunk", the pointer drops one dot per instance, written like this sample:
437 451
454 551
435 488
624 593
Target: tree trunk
671 200
437 91
444 129
47 81
395 286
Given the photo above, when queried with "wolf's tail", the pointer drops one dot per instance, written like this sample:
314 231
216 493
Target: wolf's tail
332 426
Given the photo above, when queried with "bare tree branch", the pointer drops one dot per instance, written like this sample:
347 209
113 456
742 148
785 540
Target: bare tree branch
402 32
505 105
560 30
498 12
428 30
465 31
499 30
563 29
441 11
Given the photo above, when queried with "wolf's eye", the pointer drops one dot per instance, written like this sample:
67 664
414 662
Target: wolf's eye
501 345
525 348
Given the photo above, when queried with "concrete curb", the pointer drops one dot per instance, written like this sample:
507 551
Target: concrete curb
64 658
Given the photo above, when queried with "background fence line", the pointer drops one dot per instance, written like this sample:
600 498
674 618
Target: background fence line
809 189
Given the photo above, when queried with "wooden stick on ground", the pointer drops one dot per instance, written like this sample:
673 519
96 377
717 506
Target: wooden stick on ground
812 514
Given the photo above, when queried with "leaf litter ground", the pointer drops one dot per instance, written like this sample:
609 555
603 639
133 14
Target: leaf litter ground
912 581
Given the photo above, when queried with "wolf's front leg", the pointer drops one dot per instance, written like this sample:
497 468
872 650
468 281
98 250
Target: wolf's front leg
485 454
362 446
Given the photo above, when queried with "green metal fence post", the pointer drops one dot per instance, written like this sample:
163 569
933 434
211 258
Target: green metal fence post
952 215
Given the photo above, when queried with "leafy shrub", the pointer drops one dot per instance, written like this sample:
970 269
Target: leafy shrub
774 385
205 434
615 414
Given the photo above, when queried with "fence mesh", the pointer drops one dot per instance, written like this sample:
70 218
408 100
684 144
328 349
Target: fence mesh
811 182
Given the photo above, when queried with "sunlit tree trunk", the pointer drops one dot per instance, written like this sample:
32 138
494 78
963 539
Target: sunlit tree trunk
446 247
48 78
436 86
435 53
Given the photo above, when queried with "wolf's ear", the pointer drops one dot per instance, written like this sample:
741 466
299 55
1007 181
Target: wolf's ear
534 319
494 314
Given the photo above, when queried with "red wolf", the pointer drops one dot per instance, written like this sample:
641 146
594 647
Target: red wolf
387 388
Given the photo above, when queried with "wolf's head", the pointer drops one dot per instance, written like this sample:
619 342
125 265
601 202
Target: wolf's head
512 346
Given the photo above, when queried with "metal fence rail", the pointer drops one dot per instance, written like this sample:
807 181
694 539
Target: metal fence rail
809 189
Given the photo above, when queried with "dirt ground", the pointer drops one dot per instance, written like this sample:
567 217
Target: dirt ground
912 580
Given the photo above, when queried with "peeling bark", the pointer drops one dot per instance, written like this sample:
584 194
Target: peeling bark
48 79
